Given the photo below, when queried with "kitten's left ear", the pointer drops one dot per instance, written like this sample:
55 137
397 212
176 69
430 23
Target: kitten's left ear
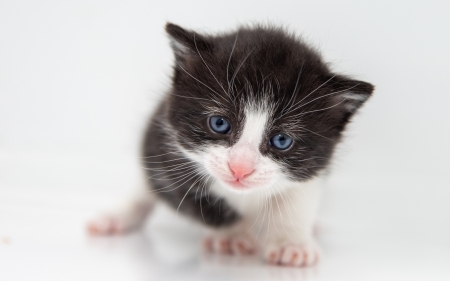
186 43
348 95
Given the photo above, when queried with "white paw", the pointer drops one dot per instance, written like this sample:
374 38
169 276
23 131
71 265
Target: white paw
113 224
236 245
304 254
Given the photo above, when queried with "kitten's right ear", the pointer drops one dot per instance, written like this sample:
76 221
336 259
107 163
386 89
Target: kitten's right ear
185 42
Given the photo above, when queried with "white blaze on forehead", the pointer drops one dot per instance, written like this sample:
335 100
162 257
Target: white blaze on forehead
255 124
244 155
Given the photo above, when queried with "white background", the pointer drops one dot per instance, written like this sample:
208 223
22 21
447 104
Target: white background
78 80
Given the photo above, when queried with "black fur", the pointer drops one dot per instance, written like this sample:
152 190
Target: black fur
223 73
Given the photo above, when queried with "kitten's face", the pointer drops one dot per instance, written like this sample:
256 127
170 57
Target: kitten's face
257 107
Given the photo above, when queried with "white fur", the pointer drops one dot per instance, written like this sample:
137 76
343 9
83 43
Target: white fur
256 120
353 96
178 48
358 98
290 238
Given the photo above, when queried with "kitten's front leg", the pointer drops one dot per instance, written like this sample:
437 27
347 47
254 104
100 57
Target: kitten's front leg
123 219
290 231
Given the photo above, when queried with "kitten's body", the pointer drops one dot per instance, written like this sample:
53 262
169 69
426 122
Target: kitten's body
283 112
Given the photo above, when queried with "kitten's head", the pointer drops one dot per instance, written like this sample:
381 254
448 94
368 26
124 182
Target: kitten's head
257 106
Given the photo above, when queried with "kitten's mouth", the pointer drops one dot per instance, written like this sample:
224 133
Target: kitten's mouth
237 184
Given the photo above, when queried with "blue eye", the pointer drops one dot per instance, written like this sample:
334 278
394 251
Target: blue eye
281 141
219 124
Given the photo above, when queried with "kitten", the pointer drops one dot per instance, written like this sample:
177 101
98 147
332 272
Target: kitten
242 140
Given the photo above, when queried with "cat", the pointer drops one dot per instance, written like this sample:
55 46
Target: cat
243 139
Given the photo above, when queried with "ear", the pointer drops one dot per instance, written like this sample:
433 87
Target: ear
347 97
186 43
350 94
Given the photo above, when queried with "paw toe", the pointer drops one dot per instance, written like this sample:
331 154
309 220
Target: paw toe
230 245
306 254
106 226
242 246
273 254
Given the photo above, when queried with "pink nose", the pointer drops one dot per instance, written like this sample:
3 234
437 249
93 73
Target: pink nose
240 171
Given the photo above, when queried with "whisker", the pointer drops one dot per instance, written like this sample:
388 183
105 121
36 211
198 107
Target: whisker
299 102
153 156
334 93
200 83
264 204
295 89
170 160
192 185
173 176
240 65
229 59
259 212
281 214
312 132
195 42
318 110
189 175
170 167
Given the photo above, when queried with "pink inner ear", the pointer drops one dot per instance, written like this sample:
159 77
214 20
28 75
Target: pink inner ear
242 161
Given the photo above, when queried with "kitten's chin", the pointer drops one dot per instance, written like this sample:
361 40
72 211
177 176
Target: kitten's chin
241 186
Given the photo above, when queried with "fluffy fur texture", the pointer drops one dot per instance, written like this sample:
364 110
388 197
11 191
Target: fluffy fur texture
263 81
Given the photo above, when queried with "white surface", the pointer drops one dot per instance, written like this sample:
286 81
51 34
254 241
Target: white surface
78 80
368 231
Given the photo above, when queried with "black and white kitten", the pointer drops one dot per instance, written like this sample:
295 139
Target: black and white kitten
242 140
